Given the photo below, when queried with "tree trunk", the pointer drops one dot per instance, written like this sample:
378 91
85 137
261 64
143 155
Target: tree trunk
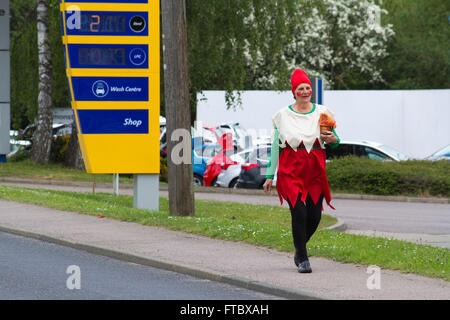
42 141
176 92
73 157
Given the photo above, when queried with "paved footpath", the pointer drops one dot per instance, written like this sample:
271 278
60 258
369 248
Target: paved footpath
231 262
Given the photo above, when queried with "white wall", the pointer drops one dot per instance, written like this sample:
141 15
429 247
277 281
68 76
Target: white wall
415 122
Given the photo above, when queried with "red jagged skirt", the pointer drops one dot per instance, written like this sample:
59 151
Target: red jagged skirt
302 172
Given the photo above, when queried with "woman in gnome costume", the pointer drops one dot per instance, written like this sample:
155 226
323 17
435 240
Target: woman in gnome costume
298 150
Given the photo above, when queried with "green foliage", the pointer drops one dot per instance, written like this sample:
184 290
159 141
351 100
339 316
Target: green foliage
57 152
24 62
340 39
215 44
163 172
60 89
408 178
59 148
21 155
225 35
419 55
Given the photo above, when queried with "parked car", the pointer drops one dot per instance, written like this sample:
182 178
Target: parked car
163 141
163 136
23 139
253 172
229 174
219 161
367 149
262 140
241 138
441 154
201 154
17 145
208 134
58 129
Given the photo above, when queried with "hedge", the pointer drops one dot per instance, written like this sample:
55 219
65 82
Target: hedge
410 178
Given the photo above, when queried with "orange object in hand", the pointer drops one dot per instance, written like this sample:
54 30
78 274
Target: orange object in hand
326 122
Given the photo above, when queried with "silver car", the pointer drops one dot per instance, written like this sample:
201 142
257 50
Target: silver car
441 154
241 138
229 175
366 149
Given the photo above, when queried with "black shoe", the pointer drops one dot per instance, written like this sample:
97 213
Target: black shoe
296 260
304 267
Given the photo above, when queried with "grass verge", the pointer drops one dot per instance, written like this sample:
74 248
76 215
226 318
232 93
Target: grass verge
54 171
254 224
350 175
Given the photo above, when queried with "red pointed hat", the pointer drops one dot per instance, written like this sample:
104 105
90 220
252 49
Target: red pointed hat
298 77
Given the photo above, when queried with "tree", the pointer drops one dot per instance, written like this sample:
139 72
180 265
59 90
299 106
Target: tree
24 62
42 141
233 45
24 70
176 87
419 57
341 38
272 26
254 45
73 157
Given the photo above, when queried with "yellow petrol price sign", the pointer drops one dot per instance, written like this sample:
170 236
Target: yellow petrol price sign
112 53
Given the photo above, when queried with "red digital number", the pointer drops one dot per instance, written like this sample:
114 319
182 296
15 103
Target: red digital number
95 23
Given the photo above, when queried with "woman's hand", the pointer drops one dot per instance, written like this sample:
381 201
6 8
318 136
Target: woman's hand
328 137
268 186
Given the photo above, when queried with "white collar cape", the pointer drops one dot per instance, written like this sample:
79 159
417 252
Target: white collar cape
295 128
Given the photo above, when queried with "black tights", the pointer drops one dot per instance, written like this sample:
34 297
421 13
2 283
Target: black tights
305 220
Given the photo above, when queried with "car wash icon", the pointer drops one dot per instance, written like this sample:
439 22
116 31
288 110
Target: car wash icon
100 89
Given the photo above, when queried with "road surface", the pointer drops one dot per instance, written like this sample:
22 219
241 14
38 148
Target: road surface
35 270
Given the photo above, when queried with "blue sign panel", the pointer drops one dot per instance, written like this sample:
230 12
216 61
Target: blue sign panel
117 56
108 23
113 121
110 88
320 91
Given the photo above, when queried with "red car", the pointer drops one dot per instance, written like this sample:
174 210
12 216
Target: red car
219 161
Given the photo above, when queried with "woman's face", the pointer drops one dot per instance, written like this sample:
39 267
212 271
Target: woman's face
303 93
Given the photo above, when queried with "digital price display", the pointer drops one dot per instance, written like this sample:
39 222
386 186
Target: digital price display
107 23
102 56
103 23
112 52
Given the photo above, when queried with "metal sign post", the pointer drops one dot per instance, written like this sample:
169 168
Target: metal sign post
317 89
116 184
113 67
4 81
